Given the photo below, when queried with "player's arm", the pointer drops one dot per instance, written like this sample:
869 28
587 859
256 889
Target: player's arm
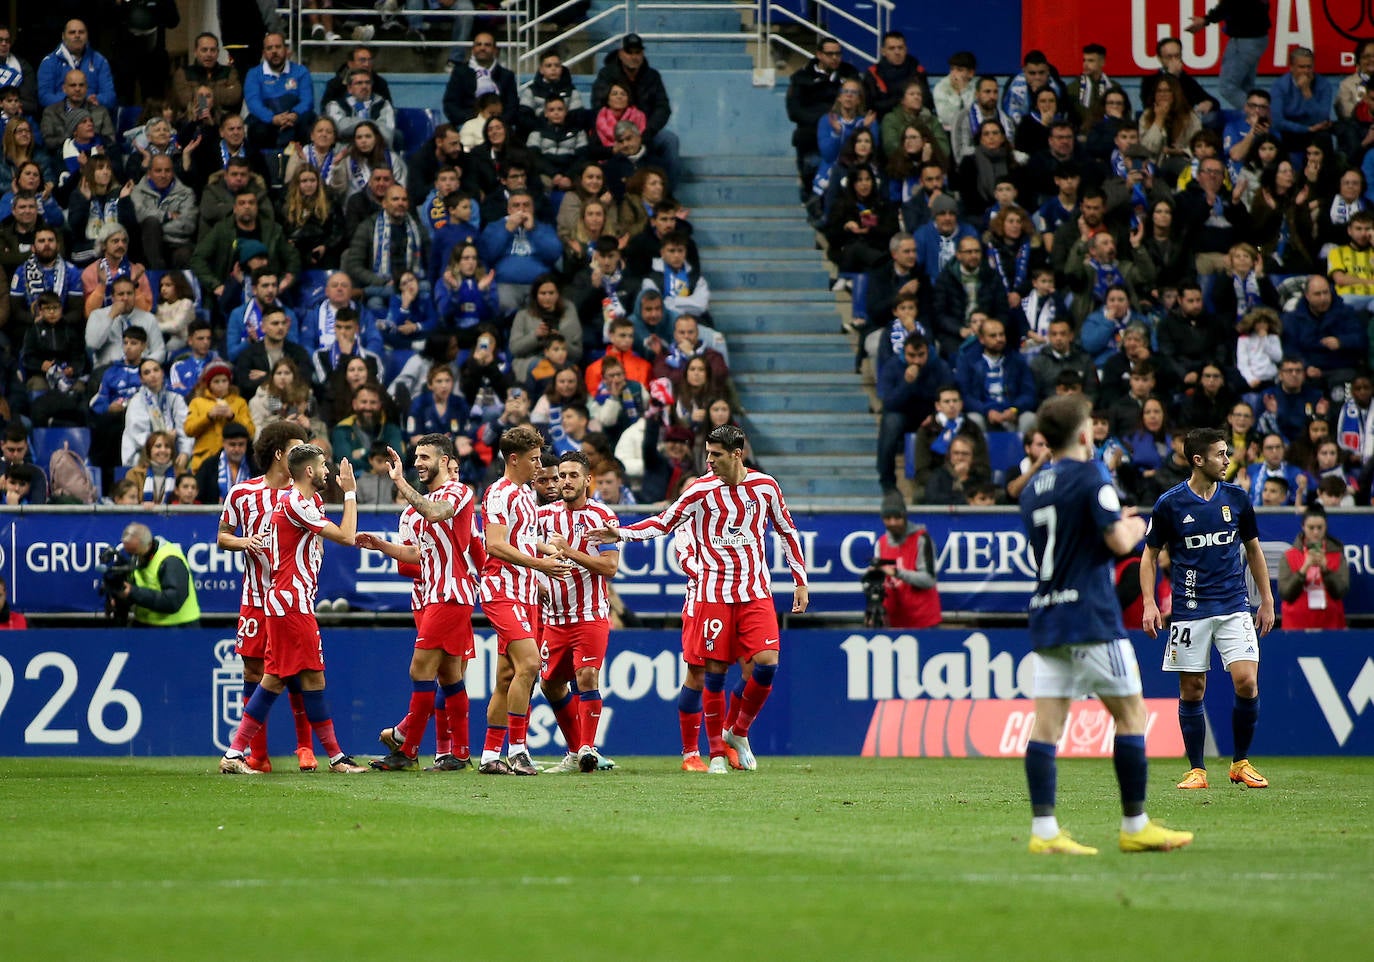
796 560
500 548
228 541
407 554
1150 618
347 529
431 510
649 528
1254 554
605 563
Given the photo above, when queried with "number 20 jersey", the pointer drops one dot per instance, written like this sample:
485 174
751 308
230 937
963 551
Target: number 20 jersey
1065 509
1206 541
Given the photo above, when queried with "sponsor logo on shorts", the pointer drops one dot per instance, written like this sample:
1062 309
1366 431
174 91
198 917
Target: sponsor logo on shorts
771 641
586 658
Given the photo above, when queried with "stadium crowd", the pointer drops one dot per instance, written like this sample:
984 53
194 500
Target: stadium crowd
1181 264
230 246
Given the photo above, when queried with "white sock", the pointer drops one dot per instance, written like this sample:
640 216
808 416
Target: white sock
334 760
489 756
516 749
1134 823
691 754
1044 826
233 754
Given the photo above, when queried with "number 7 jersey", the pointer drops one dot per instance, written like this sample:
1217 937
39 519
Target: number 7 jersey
1065 509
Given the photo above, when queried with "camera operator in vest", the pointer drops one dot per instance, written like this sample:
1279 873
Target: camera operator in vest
160 590
905 555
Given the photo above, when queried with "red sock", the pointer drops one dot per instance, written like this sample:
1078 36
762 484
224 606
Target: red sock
568 721
457 708
496 738
324 731
713 703
732 706
590 702
690 723
244 734
753 698
519 727
258 745
421 707
401 727
443 742
302 722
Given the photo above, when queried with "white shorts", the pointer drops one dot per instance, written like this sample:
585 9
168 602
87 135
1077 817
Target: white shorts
1072 671
1190 643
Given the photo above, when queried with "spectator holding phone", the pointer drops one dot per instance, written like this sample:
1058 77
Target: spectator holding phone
1314 577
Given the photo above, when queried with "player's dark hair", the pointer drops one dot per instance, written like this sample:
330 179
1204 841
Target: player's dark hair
441 443
547 459
576 457
728 436
1199 440
300 456
519 440
273 439
1060 416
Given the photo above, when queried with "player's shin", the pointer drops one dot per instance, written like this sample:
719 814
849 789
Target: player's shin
1132 775
456 707
713 715
1041 774
589 715
421 707
298 716
756 692
317 710
1192 723
442 742
565 712
734 702
254 718
689 719
496 740
1244 718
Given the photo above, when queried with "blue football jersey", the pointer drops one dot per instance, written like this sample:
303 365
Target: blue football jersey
1206 540
1065 509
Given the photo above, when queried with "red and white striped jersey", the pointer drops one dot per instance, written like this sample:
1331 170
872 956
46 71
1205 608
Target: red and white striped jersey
409 527
514 506
296 550
727 522
581 595
686 551
445 559
248 510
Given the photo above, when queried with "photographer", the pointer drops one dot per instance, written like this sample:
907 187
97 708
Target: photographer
159 589
1314 577
905 557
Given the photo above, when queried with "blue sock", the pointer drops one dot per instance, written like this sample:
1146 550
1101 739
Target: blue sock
1244 717
763 676
316 708
715 681
440 700
689 701
424 686
738 690
1040 776
260 703
1132 771
249 687
448 691
567 697
1192 722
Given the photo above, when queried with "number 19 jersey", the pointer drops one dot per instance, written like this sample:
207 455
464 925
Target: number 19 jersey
1065 509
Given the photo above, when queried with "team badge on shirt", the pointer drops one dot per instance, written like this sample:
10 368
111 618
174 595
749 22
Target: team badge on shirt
1226 513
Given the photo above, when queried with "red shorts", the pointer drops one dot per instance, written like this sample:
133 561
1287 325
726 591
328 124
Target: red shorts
728 632
565 649
512 621
447 626
691 637
293 645
252 632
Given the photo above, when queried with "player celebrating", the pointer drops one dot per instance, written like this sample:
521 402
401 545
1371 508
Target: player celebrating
443 642
293 635
248 508
577 625
1076 528
510 595
1200 520
727 511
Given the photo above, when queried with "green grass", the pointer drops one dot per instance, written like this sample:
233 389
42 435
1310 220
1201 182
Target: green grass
810 858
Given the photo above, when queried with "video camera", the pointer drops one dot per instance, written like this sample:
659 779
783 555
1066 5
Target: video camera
116 568
874 585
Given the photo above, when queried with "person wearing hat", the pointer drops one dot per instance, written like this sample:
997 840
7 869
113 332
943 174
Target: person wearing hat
479 74
666 472
906 555
937 239
154 408
232 463
628 67
53 121
111 263
82 142
215 403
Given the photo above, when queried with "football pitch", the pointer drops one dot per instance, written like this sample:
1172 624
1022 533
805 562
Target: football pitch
808 858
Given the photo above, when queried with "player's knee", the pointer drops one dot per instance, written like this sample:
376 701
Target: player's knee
587 679
1192 687
764 672
695 676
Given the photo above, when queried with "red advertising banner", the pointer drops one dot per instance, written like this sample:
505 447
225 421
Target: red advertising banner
1130 29
1000 728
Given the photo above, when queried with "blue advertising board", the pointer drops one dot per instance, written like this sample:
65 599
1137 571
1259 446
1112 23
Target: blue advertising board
50 561
941 692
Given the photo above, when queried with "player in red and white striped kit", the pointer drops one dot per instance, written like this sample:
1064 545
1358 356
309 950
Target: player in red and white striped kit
293 636
248 508
510 593
577 625
443 642
727 513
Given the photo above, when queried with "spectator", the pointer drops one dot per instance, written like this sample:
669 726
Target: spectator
1302 101
629 67
112 263
219 252
939 428
53 360
215 403
556 142
359 102
667 472
1125 412
481 74
886 81
119 382
166 211
1037 453
1037 312
553 82
692 340
906 555
16 74
1314 577
154 409
997 386
285 395
621 347
75 96
912 113
545 312
954 94
811 93
985 110
43 270
260 356
951 482
354 435
230 465
909 385
1243 288
107 325
367 152
382 249
14 451
343 346
437 410
1350 264
1329 338
75 53
223 187
204 69
860 225
1272 465
1210 400
466 295
518 249
280 97
1061 354
1192 337
246 322
992 161
968 286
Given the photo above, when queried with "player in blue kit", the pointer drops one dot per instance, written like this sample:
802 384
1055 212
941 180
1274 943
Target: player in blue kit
1209 527
1076 529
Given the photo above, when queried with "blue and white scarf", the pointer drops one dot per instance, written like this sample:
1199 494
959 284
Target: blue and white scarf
1039 313
381 245
1342 210
1105 276
1020 269
38 279
996 378
897 335
112 274
976 120
558 438
1247 293
229 475
1350 431
628 404
225 153
252 318
324 166
159 484
949 427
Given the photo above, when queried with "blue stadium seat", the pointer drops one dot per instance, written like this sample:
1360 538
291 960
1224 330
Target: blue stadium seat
94 472
310 287
395 360
155 284
1005 451
126 119
909 455
415 125
48 440
119 473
